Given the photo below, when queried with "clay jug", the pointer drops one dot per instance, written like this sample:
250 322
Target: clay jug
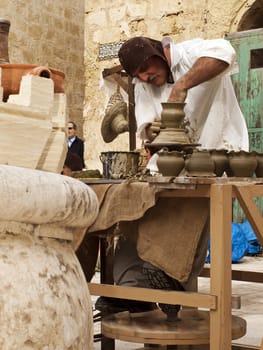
242 163
259 168
220 159
170 163
200 163
4 32
41 71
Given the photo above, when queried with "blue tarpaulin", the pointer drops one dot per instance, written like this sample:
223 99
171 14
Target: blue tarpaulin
244 242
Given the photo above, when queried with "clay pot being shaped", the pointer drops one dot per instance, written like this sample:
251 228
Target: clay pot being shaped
220 158
11 75
200 163
173 114
170 163
242 163
172 128
259 168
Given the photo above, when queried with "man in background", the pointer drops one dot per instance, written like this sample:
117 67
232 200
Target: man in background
75 144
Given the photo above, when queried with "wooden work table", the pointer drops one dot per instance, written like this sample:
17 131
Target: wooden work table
221 192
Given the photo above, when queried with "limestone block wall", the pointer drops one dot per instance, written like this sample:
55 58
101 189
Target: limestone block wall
115 21
50 33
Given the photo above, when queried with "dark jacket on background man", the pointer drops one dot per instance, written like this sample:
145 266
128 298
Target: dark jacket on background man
77 147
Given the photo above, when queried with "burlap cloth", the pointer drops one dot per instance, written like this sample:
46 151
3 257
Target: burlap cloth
169 229
122 202
169 234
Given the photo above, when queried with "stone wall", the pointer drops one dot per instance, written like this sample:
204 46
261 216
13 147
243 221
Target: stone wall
50 33
115 21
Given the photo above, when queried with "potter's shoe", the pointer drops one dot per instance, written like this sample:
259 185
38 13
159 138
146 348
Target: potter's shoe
114 305
160 280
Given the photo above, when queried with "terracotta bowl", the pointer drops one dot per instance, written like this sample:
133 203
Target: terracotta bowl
12 74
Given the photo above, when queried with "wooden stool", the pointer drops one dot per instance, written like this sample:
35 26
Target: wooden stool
152 328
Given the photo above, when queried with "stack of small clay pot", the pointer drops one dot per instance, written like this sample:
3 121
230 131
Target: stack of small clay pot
213 162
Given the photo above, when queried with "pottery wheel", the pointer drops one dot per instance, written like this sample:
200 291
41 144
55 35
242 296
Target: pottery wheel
152 328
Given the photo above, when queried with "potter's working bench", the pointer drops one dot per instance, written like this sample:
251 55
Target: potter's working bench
221 326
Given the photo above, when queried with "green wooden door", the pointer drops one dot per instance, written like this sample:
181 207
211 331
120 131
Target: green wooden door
248 84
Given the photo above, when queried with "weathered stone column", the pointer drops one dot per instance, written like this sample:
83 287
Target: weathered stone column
44 299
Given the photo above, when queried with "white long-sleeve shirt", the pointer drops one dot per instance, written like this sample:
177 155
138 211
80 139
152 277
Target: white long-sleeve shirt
212 109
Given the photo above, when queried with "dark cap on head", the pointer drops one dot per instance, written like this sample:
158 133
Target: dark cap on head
137 50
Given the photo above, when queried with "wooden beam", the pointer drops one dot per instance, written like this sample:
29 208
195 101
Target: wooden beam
131 111
239 275
154 295
109 71
220 282
121 82
245 195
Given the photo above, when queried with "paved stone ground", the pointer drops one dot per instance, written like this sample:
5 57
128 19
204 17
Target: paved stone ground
251 305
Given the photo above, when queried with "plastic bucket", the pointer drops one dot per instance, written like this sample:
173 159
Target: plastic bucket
119 165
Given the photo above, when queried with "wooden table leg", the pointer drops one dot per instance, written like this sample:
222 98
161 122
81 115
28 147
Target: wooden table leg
106 276
221 256
106 259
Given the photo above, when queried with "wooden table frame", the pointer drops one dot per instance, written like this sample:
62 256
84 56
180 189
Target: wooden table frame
221 193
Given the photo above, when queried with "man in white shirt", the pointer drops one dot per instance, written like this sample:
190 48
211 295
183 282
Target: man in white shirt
196 72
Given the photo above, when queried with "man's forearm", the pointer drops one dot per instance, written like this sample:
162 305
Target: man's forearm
204 69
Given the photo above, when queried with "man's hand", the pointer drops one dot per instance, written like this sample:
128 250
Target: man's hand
152 130
178 94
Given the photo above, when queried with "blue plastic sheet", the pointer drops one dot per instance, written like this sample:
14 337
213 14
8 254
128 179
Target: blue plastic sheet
239 244
253 244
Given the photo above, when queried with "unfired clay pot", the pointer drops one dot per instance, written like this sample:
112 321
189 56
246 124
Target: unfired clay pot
242 163
259 168
170 163
172 114
220 158
172 129
200 163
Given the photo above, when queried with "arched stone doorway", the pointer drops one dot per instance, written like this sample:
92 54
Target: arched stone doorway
253 18
250 16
